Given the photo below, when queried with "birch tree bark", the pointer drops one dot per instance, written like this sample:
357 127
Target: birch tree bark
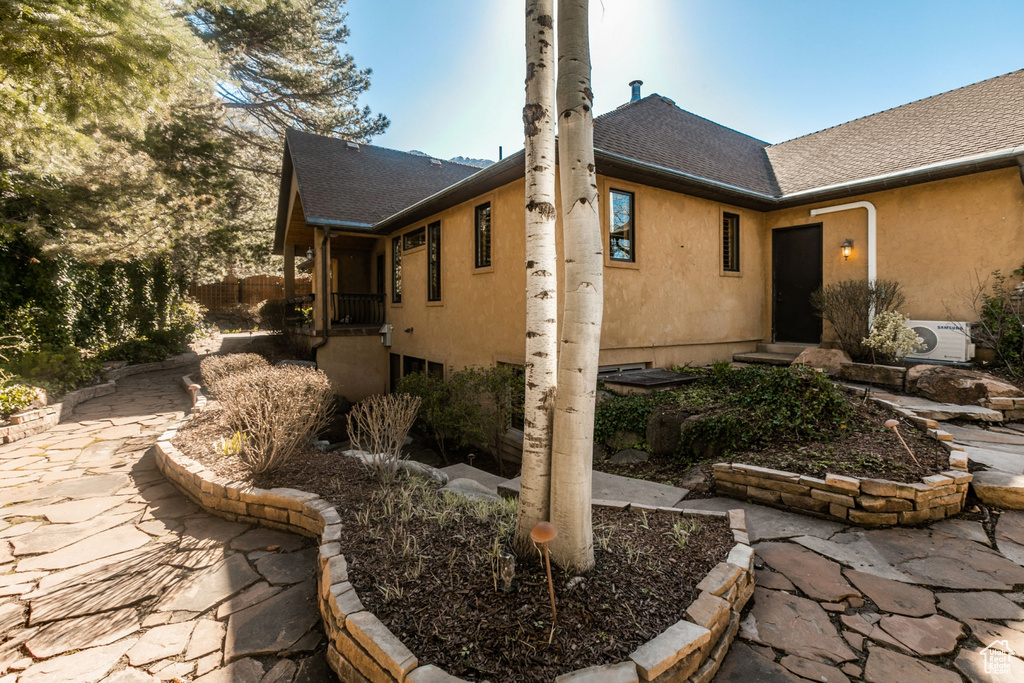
541 273
572 445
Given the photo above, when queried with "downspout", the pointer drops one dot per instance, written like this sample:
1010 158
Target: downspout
325 290
872 265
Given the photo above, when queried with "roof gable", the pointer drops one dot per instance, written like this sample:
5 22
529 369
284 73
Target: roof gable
359 184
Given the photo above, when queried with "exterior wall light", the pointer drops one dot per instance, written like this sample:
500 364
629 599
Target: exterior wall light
385 334
309 253
847 249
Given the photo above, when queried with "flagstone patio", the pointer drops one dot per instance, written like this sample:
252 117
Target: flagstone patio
108 573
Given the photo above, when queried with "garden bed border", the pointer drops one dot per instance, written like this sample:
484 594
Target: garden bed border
361 648
37 420
865 501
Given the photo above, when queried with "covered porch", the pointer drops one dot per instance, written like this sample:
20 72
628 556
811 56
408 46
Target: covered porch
347 270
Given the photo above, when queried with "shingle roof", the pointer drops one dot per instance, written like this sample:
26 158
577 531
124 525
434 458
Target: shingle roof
365 184
983 117
656 142
655 131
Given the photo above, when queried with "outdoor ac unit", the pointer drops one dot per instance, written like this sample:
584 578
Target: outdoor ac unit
944 341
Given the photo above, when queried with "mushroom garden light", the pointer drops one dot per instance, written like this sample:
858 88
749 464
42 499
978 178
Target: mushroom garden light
543 533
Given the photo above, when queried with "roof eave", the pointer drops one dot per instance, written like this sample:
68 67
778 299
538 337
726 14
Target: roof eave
942 170
283 199
505 171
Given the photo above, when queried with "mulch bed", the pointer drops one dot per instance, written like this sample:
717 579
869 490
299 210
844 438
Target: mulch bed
867 449
423 564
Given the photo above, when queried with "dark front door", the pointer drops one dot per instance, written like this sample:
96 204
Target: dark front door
796 273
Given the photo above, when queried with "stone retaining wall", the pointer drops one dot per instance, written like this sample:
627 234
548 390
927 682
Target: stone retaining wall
38 420
361 648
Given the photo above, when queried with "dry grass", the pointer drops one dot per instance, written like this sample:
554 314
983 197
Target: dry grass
278 409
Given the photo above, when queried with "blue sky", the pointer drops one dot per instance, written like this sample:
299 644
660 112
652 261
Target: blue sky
449 73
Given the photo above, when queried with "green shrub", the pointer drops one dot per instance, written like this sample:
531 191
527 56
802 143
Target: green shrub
272 315
56 371
449 409
13 397
629 412
1001 319
761 405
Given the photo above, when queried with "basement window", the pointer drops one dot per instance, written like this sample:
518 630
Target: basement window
730 243
622 230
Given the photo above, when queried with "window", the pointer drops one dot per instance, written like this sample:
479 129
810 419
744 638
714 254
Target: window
396 270
435 370
730 242
434 261
622 231
411 365
483 235
414 238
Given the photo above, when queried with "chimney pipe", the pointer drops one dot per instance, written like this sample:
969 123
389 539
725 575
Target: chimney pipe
636 90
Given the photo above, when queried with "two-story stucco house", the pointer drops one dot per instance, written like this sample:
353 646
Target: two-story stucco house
713 239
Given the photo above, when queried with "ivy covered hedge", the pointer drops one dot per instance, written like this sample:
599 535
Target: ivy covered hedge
61 317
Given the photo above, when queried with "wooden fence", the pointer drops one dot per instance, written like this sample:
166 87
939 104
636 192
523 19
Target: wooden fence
222 296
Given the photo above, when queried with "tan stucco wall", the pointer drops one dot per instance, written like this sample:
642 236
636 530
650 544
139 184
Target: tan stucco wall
356 365
934 238
673 306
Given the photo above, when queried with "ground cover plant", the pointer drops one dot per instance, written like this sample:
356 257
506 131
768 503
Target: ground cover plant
788 418
424 563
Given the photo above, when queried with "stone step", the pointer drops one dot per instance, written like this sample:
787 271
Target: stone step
612 487
758 357
999 488
998 460
932 410
782 347
463 471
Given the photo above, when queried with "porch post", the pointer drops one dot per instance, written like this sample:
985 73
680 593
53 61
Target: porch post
289 271
322 279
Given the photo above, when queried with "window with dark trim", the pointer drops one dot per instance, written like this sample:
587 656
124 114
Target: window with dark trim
435 370
412 364
483 235
730 242
622 227
414 238
396 270
434 261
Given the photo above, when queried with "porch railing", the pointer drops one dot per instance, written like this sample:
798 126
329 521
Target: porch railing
358 309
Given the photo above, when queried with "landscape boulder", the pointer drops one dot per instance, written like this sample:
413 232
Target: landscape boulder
630 456
663 428
828 360
947 384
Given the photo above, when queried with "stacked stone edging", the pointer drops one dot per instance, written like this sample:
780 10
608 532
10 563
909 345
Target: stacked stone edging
38 420
1011 408
864 501
361 648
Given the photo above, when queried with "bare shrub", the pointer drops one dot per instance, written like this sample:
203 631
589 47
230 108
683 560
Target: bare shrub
277 408
216 368
997 302
377 426
846 306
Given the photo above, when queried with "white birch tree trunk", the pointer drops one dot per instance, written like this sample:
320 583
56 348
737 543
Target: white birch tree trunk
572 446
541 273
